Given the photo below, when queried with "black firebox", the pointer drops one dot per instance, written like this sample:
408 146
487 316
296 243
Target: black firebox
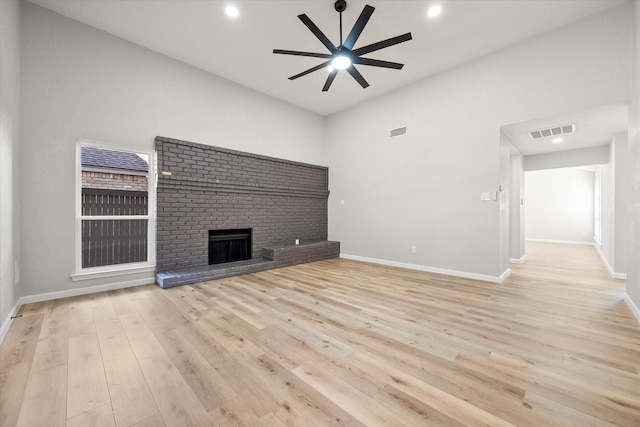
229 245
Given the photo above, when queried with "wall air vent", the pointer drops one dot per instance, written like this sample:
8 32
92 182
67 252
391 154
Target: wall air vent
398 132
558 130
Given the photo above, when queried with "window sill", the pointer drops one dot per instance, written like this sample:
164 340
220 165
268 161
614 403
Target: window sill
112 271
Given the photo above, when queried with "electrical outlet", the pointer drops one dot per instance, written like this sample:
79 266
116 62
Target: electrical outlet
342 202
414 249
16 273
485 195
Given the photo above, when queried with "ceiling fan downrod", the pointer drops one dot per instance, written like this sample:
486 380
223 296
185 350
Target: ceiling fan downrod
341 6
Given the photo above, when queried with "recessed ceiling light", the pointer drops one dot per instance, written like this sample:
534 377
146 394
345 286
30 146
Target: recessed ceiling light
231 11
557 140
434 11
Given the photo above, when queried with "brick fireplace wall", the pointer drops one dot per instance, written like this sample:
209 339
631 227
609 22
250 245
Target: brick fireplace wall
202 188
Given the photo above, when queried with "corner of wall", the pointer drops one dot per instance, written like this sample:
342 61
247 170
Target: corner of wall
9 146
633 269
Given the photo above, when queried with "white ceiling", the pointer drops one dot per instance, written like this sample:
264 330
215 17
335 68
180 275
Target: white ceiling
199 33
592 128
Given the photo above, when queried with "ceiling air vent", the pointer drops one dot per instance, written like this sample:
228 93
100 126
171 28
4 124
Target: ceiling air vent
398 132
558 130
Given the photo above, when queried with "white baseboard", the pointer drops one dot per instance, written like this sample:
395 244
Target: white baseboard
504 275
621 276
455 273
6 324
29 299
84 291
632 305
564 242
518 260
604 260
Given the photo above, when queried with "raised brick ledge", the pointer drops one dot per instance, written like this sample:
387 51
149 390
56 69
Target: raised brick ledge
304 252
275 257
169 279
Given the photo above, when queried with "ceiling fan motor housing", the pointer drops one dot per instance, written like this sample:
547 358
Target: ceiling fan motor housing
340 5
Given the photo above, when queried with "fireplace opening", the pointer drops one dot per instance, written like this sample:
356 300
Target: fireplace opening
229 245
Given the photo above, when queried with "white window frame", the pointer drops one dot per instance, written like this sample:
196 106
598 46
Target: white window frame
116 269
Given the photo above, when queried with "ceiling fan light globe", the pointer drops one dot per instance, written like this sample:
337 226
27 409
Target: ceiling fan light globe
341 62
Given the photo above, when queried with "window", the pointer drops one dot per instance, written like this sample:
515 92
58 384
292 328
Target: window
115 209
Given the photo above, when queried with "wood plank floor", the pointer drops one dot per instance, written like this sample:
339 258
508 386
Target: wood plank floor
335 342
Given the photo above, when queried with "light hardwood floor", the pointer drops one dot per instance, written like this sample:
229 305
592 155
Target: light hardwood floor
335 342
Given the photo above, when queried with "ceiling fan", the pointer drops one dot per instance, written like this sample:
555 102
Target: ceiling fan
344 56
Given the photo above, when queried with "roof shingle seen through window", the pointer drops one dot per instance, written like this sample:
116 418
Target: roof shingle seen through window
98 157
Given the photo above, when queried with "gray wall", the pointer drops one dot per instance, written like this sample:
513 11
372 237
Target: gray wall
608 207
633 266
622 201
616 194
517 217
559 205
9 149
423 189
567 159
213 188
504 201
79 82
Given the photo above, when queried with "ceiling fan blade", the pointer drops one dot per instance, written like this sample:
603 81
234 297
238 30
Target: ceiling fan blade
356 75
381 45
358 27
316 32
378 63
311 70
298 53
330 79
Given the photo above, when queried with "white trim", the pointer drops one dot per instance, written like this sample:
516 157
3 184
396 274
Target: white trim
504 275
566 242
78 210
150 216
632 306
101 273
455 273
604 260
6 324
85 291
518 260
620 276
132 172
112 217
